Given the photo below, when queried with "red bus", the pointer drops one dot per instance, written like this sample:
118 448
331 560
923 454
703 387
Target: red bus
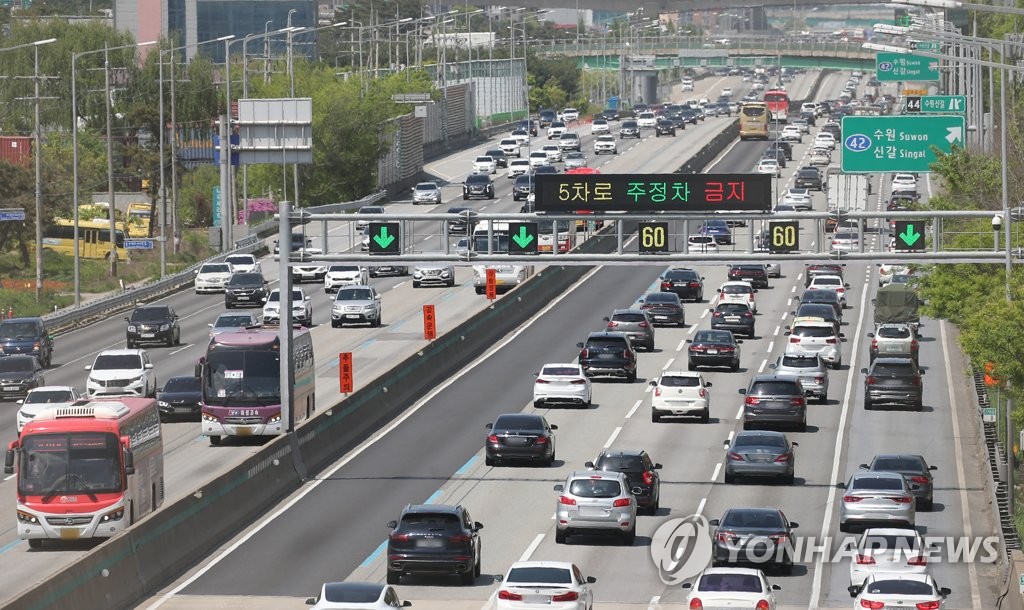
87 470
240 378
778 104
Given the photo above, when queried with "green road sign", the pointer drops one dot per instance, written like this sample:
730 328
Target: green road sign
783 236
931 46
523 238
909 235
893 67
384 238
956 104
898 143
652 237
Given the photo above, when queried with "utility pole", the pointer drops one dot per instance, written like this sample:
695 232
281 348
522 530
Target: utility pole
110 162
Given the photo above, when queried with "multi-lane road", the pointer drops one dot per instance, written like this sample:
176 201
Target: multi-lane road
189 460
333 528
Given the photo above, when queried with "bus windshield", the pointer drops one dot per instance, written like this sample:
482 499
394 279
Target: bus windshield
752 110
66 464
247 377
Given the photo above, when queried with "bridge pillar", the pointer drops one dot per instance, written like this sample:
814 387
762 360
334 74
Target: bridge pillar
758 19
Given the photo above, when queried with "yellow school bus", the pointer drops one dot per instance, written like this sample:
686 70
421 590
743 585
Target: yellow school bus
93 238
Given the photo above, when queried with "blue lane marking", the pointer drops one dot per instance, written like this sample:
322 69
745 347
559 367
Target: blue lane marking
398 324
373 556
447 296
366 343
333 363
465 466
433 497
655 287
9 546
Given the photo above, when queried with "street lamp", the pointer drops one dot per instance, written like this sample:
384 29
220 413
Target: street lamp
38 160
74 160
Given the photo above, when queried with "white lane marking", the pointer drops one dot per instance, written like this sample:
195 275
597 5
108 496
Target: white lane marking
777 329
10 477
826 524
793 289
771 346
739 413
718 469
783 315
399 284
533 547
764 363
692 330
700 505
799 276
611 439
326 476
667 364
635 407
682 343
704 314
180 349
732 433
958 454
654 602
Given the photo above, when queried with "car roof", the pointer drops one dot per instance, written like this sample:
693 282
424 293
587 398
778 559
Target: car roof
533 563
623 452
677 373
876 474
733 570
118 352
572 364
606 335
452 509
598 474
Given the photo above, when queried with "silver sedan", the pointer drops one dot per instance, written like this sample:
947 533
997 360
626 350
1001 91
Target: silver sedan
876 497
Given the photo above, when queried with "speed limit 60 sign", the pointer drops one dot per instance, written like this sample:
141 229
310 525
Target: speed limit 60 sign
783 236
653 237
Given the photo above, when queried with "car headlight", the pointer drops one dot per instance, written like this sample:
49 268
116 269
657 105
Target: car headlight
209 418
417 274
445 273
132 328
114 515
274 419
137 379
24 517
165 327
92 381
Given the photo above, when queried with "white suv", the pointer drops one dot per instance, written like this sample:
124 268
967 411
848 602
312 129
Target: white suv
119 372
605 144
302 309
680 393
244 263
338 276
817 337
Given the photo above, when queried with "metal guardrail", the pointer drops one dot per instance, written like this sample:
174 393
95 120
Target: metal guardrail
72 316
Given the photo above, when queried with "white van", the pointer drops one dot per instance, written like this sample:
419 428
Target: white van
687 83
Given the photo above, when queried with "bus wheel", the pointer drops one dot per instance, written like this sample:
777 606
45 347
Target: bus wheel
214 440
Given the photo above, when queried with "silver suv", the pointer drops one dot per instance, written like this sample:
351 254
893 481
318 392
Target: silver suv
569 141
433 274
356 304
809 368
893 341
594 502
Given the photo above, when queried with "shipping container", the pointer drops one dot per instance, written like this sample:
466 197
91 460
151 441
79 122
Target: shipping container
16 150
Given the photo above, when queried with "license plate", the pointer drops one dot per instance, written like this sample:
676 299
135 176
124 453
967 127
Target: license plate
70 533
243 431
536 599
183 409
430 543
712 351
593 511
148 335
661 317
242 298
352 316
732 319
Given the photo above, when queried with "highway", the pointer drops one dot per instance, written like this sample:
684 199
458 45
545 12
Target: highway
333 528
189 460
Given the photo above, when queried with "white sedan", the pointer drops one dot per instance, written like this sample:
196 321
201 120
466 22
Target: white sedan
680 394
518 167
485 165
213 277
553 585
732 588
791 133
600 126
44 398
830 282
904 182
356 596
899 591
558 382
888 550
800 199
768 166
646 120
824 140
704 244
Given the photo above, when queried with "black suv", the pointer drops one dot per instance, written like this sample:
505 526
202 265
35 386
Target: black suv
821 269
499 156
775 399
809 178
610 114
547 117
153 324
755 274
478 185
522 187
893 381
641 474
785 147
245 290
629 129
687 283
26 336
736 317
664 127
608 354
434 538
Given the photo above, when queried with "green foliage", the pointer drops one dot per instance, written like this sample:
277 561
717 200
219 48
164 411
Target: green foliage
195 196
955 292
556 74
993 334
972 180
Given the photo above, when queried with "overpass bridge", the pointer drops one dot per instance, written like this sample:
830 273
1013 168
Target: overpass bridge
653 7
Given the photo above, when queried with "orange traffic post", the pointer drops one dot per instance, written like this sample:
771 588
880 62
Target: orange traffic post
345 372
492 284
429 323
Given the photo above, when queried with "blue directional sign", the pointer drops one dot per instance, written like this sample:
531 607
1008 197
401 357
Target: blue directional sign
12 214
138 244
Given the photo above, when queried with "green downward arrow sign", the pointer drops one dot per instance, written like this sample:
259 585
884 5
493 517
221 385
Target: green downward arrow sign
910 236
522 238
383 239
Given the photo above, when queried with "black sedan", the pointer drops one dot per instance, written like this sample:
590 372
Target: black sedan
713 348
664 127
687 283
809 177
610 114
759 453
641 474
736 317
914 469
19 373
180 398
664 308
757 275
520 436
753 535
823 295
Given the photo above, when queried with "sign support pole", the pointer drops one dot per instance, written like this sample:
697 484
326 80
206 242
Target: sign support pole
285 301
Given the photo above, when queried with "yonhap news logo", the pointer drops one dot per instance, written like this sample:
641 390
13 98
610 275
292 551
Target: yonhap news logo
681 548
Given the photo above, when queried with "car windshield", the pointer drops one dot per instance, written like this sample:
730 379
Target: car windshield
682 275
353 294
899 587
519 422
113 362
343 269
732 308
669 298
883 483
537 574
36 397
621 463
807 173
373 209
426 187
433 521
679 381
898 463
182 384
595 488
246 279
629 317
800 361
18 330
773 388
759 440
813 331
894 332
217 268
276 296
560 370
239 260
742 583
752 518
233 321
150 314
736 289
484 159
352 592
821 296
713 336
892 368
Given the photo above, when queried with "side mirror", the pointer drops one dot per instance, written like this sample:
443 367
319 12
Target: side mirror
739 341
9 462
392 524
707 384
742 390
606 319
579 345
559 487
657 466
933 468
489 426
854 590
864 467
772 365
591 580
499 577
310 601
149 366
210 325
841 485
793 525
944 591
714 522
407 604
871 335
554 427
477 526
88 367
652 383
159 390
588 464
787 333
794 444
126 319
129 462
711 309
687 585
689 340
921 372
864 370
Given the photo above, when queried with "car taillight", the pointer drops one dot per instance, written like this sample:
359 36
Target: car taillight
627 354
568 596
794 339
539 380
717 314
578 382
657 391
666 285
870 380
725 536
694 285
621 502
840 290
510 596
874 344
695 604
819 380
752 400
928 606
852 499
642 325
648 478
903 500
541 440
762 604
831 340
613 324
866 603
782 458
865 560
396 537
702 393
920 560
492 438
459 539
585 353
797 401
736 457
913 344
566 500
915 380
748 315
